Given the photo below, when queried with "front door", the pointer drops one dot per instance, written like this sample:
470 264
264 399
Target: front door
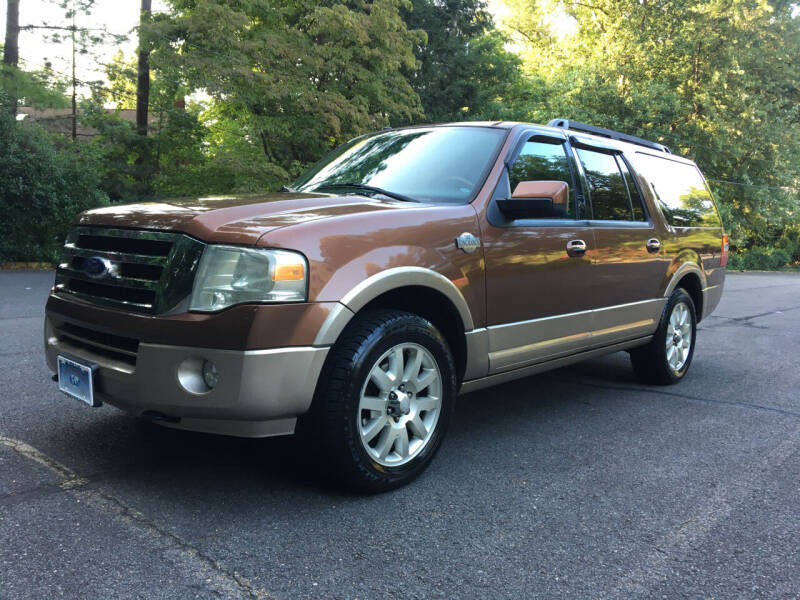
538 295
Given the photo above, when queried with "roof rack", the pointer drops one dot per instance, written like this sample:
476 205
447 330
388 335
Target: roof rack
609 133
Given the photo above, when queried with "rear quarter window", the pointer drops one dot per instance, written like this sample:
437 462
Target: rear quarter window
680 190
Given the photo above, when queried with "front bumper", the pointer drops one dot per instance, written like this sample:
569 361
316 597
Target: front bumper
260 392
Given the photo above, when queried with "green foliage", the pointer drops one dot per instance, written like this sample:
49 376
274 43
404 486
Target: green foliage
714 80
463 67
298 78
42 188
41 88
760 259
190 149
121 76
283 82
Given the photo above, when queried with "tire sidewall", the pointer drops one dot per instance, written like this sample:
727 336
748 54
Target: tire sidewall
678 296
403 328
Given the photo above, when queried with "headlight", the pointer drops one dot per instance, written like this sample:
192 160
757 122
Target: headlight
229 275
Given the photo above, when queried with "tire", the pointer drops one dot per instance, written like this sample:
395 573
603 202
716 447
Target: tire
665 360
377 431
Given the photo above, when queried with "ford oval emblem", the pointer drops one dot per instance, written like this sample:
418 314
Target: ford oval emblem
98 266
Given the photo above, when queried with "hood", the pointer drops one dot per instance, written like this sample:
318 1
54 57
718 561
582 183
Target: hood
234 219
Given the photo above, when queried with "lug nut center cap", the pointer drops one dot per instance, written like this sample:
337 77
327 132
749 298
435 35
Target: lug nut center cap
399 403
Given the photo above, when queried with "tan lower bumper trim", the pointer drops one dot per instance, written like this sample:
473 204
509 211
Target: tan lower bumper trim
255 386
248 429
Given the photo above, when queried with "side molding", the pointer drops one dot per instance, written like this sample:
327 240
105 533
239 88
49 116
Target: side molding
477 354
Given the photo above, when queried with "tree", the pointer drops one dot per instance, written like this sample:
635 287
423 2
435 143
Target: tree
715 80
11 49
463 67
81 40
43 186
143 74
139 166
296 77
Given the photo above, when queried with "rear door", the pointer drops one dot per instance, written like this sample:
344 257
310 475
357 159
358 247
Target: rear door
538 301
629 261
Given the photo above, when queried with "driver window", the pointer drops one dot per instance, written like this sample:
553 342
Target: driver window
542 161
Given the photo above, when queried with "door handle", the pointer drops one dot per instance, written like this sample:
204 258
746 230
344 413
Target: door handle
653 245
576 248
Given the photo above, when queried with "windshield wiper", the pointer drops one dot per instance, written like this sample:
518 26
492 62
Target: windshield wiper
365 188
286 188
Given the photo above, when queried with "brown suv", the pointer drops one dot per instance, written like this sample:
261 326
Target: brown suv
404 268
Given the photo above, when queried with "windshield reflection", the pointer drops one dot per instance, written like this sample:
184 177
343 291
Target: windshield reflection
434 164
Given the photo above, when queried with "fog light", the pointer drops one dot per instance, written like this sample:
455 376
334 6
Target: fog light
210 374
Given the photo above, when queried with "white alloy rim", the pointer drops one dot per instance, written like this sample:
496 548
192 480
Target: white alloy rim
679 336
400 404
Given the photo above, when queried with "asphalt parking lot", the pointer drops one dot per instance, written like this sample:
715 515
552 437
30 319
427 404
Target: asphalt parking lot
579 483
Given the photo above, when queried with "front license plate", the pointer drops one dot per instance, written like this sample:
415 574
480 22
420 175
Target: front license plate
77 380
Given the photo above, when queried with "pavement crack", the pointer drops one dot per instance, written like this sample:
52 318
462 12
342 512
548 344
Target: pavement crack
661 392
41 491
746 319
222 581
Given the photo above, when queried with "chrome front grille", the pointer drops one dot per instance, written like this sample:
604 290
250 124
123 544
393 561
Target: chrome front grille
141 271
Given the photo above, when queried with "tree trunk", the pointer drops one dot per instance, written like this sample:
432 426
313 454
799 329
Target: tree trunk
143 75
11 48
74 86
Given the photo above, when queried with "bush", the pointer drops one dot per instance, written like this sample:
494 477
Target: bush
42 189
762 223
760 259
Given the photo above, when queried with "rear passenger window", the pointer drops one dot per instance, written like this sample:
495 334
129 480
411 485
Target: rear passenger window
680 190
637 205
542 161
607 188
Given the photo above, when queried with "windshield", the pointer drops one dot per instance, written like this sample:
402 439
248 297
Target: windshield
432 164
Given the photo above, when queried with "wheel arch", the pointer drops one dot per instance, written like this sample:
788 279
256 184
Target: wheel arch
690 277
413 289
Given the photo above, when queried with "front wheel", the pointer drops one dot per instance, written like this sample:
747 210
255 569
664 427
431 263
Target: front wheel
666 359
384 400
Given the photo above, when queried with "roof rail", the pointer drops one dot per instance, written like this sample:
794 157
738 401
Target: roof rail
609 133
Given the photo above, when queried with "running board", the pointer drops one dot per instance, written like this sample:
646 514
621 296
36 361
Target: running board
506 376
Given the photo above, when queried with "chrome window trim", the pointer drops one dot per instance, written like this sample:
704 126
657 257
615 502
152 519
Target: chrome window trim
609 224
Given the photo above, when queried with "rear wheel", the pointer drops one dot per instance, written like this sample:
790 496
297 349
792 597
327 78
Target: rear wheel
666 359
384 400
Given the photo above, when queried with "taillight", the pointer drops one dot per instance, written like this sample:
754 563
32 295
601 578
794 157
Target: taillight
723 259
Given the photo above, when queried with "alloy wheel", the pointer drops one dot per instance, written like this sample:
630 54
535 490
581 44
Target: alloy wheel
400 404
679 336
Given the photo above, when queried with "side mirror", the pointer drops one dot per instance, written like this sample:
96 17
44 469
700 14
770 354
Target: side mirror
536 200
